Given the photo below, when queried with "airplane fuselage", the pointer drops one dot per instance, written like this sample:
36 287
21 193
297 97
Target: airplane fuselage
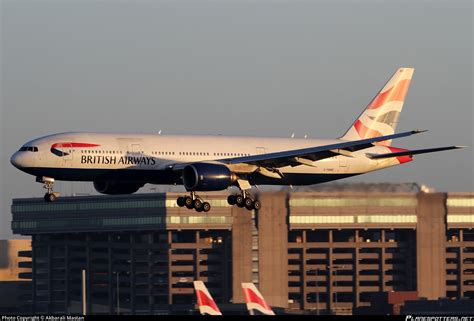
148 158
120 163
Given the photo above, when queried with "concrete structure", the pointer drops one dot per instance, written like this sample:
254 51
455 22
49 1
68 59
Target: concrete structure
16 292
12 267
328 251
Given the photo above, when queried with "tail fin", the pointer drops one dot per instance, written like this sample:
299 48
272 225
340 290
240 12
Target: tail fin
255 300
205 301
380 117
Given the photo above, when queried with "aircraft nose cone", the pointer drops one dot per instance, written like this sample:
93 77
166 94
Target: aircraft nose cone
15 160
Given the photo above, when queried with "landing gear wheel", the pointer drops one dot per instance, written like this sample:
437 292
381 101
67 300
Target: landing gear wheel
199 209
180 201
231 199
257 205
240 201
206 207
188 202
197 204
248 203
50 197
48 185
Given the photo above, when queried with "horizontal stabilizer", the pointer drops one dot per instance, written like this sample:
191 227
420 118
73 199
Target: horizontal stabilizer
412 152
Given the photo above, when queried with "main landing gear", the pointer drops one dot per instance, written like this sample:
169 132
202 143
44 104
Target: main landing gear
244 200
195 202
48 184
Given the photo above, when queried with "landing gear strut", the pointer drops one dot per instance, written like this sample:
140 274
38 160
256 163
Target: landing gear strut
195 202
48 184
244 200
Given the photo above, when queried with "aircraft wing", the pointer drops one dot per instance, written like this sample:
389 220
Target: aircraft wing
308 155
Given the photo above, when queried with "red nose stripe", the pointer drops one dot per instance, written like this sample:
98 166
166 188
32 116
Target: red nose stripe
396 93
73 145
204 300
252 297
401 159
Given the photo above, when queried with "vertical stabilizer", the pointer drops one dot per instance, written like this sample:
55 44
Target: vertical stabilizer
255 300
205 301
380 117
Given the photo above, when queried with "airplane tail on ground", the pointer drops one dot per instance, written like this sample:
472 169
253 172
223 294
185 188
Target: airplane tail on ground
255 300
380 117
206 303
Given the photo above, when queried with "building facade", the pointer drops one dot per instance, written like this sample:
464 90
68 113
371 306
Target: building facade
15 273
304 250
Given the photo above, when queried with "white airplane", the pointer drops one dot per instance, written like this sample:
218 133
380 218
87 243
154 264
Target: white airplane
206 303
123 163
255 300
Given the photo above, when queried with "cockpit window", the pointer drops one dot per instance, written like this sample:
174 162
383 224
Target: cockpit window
28 149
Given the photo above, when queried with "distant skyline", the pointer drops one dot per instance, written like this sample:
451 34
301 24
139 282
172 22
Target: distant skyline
260 68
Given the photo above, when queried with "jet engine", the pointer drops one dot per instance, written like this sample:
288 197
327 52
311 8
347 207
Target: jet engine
207 177
115 188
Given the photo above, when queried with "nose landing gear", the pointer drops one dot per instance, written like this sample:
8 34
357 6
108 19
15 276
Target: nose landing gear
195 202
48 184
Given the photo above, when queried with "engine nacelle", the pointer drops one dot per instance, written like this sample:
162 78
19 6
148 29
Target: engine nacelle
116 188
207 177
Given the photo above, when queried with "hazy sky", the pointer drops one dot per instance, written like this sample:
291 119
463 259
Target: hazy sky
265 68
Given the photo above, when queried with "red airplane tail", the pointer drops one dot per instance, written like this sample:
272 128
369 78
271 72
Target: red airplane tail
255 300
206 303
